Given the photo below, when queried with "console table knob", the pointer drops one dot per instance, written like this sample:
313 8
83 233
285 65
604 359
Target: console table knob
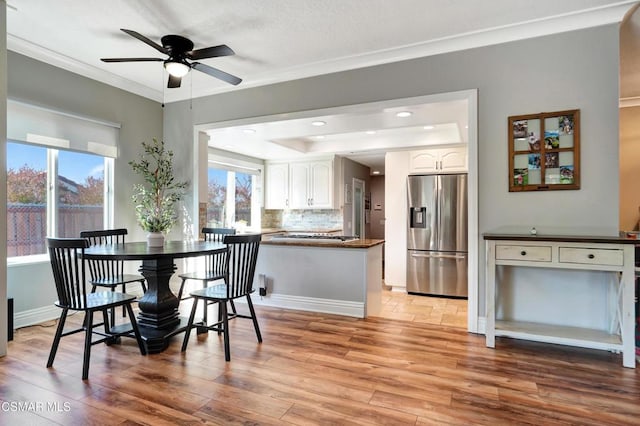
591 256
523 253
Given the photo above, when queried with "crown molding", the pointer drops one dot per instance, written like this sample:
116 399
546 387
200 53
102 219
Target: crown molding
35 51
629 102
587 18
604 15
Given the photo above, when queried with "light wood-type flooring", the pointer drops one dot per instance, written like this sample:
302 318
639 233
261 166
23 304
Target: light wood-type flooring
424 309
319 369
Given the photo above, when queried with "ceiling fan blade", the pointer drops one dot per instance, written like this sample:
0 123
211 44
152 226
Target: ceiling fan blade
174 82
210 52
214 72
146 40
131 60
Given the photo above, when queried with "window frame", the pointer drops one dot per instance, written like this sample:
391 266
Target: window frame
233 165
52 197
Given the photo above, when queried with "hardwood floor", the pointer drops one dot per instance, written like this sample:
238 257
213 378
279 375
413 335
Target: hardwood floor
318 369
424 309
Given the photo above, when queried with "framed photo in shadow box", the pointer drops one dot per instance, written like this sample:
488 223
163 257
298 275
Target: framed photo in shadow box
544 151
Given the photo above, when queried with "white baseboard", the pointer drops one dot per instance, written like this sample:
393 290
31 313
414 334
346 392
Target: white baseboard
327 306
35 316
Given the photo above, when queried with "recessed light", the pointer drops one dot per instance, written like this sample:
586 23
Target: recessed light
318 123
248 130
403 114
370 132
319 137
428 127
375 172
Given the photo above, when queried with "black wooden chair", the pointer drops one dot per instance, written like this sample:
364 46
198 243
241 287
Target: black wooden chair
214 265
68 267
110 273
240 266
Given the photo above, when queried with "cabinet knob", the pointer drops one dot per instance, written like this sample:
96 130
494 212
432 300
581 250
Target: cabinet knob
523 253
592 256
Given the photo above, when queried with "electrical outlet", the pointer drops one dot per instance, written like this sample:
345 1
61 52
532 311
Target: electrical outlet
262 285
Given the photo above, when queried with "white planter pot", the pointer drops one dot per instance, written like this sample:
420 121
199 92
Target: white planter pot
155 239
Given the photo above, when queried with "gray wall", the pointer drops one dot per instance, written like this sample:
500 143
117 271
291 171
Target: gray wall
578 69
141 119
3 175
42 84
629 170
351 170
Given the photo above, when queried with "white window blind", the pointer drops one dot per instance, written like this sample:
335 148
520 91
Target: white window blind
43 126
235 167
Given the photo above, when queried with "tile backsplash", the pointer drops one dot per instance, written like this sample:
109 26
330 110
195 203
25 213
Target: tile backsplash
302 219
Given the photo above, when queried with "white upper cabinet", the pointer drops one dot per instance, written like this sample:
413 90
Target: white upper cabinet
300 185
277 186
439 160
321 184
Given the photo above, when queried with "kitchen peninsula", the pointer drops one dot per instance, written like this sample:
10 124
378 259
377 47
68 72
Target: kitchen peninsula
321 274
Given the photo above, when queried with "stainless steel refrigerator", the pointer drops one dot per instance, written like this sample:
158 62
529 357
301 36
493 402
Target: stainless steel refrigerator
437 235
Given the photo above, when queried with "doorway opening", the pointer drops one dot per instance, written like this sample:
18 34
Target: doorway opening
358 208
395 214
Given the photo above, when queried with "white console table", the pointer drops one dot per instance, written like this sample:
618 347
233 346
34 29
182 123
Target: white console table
591 253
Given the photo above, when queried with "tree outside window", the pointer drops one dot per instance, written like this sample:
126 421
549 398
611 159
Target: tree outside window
79 192
223 212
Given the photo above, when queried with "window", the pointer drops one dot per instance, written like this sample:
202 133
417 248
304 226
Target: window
232 196
243 190
80 197
216 198
52 192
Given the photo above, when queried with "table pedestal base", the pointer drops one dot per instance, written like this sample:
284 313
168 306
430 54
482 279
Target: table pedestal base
158 339
159 321
158 317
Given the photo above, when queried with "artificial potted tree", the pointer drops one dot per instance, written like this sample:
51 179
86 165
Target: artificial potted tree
156 198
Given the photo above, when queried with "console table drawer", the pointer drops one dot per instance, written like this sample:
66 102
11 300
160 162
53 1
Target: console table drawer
587 256
523 253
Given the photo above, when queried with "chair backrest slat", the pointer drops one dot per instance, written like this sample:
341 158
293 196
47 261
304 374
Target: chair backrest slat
67 264
241 263
99 269
215 262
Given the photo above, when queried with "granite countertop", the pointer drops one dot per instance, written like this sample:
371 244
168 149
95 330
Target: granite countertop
588 235
359 243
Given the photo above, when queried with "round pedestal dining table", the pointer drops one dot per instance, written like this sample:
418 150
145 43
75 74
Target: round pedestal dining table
159 317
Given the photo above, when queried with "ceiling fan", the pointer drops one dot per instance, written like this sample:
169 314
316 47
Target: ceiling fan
179 49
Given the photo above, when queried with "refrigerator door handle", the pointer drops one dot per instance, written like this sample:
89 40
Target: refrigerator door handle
440 255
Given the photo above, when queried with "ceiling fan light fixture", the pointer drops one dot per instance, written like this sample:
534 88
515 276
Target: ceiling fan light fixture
176 68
